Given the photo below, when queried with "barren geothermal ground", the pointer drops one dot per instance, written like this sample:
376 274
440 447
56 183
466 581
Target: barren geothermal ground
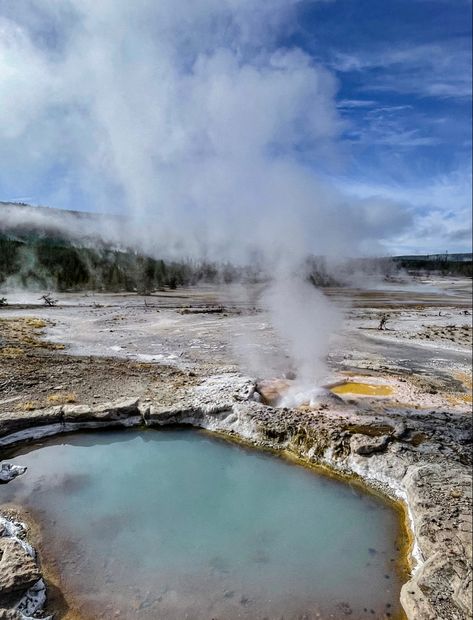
392 414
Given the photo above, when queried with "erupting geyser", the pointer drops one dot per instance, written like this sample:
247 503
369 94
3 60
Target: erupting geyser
303 319
290 393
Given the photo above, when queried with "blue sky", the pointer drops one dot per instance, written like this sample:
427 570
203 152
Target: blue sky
376 106
405 82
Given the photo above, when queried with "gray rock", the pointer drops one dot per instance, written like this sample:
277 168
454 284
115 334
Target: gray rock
18 569
9 471
10 614
113 411
33 601
12 422
400 430
365 445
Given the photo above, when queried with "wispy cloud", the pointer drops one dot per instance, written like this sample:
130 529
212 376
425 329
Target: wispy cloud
435 70
355 103
395 126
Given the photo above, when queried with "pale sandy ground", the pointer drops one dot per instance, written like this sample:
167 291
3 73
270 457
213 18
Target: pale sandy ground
424 353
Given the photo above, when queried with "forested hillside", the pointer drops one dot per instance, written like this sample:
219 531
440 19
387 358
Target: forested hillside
62 266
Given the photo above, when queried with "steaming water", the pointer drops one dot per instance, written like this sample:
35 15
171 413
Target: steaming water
179 525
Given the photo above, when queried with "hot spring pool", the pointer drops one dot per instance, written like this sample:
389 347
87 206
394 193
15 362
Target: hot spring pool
176 524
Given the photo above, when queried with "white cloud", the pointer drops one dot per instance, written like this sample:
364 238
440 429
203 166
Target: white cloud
440 212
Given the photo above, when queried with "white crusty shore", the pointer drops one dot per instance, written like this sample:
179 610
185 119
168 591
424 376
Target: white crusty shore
382 451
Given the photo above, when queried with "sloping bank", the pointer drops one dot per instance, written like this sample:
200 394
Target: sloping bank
401 456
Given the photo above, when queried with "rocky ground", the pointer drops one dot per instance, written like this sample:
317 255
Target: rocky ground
184 357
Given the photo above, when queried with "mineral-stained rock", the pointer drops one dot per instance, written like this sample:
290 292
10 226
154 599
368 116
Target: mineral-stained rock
18 570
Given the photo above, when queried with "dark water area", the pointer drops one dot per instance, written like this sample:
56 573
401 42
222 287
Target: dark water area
176 525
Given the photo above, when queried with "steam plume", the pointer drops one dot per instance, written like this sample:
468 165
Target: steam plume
198 123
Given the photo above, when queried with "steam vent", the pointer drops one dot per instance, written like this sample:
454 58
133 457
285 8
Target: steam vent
235 310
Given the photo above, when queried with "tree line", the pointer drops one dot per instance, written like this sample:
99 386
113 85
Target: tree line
55 264
62 266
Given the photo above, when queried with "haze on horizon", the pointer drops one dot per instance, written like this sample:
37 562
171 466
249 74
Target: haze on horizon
290 126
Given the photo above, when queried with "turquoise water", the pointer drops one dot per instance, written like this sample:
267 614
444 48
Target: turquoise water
176 524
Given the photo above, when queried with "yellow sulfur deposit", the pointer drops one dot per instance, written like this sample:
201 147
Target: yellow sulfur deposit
362 389
36 323
61 398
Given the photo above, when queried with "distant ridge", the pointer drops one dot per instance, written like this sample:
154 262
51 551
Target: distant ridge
447 257
50 210
24 222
